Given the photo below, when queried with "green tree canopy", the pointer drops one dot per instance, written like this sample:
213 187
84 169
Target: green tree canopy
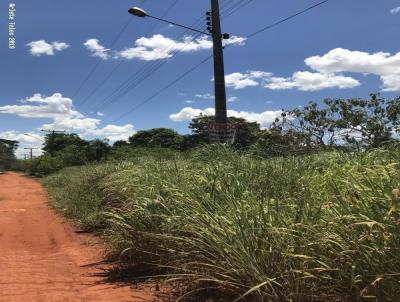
158 137
7 153
59 141
245 137
120 143
98 149
355 122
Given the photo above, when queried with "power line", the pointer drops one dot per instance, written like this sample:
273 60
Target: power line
206 59
164 88
141 75
99 61
138 77
92 71
232 7
109 75
244 3
285 19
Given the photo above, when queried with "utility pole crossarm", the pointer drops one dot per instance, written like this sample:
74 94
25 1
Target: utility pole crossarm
31 151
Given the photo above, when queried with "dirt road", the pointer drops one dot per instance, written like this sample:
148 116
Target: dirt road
42 258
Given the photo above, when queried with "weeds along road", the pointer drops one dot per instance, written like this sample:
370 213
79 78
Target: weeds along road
42 258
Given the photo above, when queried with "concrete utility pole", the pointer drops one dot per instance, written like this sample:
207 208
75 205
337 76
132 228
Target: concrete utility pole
31 151
219 70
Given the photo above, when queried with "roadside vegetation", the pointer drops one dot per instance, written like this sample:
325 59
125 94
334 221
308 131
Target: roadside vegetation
7 156
318 227
302 211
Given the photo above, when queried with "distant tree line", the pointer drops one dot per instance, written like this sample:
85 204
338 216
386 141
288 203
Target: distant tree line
64 150
354 124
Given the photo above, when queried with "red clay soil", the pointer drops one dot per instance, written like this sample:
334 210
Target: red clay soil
43 258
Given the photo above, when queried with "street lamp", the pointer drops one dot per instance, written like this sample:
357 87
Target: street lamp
141 13
219 73
138 12
40 139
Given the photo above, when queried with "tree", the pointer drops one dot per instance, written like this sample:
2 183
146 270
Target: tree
245 136
7 153
355 122
158 137
59 141
275 142
120 143
98 149
368 123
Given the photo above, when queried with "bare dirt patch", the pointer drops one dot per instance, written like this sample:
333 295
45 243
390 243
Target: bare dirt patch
43 258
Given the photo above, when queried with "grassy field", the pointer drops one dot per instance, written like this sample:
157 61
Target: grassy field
320 227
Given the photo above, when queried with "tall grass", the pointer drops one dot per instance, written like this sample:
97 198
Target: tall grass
306 228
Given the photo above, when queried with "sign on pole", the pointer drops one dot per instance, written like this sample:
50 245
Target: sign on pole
222 133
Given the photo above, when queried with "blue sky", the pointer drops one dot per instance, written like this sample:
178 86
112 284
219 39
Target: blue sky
340 49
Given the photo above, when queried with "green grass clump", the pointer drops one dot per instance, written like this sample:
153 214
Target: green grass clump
321 227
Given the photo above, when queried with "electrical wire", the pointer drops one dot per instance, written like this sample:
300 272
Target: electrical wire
110 74
164 88
244 3
208 58
97 64
143 74
286 19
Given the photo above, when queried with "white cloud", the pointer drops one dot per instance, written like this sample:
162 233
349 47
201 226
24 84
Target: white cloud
302 80
309 81
99 113
89 127
189 102
239 80
391 82
384 65
234 40
205 96
328 71
97 50
395 10
39 106
232 99
257 74
209 96
41 47
113 132
60 110
264 118
188 113
160 47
